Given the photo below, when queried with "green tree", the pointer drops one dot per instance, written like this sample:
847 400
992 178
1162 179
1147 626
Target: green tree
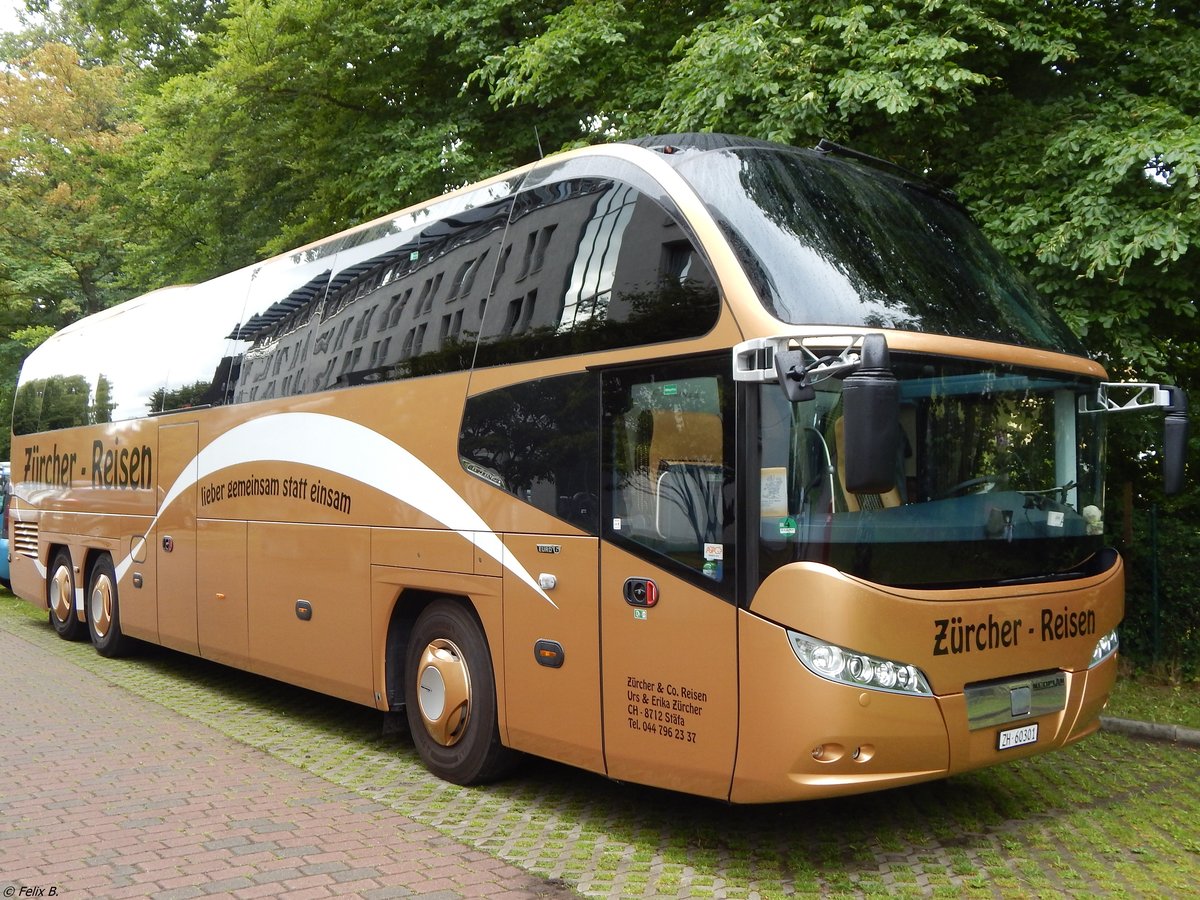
63 129
315 115
158 38
64 134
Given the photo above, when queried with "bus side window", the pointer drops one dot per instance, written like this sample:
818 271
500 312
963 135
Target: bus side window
668 456
399 300
594 264
539 441
201 371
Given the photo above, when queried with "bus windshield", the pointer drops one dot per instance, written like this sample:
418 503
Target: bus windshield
998 480
830 241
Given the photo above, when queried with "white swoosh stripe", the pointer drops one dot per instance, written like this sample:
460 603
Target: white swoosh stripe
354 451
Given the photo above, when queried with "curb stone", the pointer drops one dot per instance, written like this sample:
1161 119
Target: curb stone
1178 734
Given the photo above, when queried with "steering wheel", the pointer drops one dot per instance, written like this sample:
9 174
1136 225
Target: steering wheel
963 486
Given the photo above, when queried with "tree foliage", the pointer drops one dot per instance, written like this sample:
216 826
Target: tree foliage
65 129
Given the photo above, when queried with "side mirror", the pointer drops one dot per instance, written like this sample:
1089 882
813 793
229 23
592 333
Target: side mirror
1175 440
871 410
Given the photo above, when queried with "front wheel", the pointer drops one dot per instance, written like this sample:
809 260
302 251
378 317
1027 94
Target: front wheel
450 697
104 612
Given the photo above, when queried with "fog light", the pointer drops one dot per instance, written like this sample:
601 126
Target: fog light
844 666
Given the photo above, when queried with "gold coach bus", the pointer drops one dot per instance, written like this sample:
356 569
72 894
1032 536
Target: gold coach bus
699 462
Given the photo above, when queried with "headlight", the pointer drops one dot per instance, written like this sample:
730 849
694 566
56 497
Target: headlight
858 669
1105 647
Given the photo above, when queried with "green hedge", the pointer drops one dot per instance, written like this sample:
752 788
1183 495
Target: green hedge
1175 651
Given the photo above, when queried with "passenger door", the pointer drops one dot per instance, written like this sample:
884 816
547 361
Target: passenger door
667 617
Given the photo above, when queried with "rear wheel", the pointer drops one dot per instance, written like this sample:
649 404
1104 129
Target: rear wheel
450 697
104 612
60 597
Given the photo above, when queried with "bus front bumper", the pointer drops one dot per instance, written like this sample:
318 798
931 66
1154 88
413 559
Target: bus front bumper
803 737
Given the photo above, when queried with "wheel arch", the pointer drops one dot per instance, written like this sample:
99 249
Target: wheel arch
407 607
92 555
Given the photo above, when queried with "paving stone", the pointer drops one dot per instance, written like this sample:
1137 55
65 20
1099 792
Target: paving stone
70 833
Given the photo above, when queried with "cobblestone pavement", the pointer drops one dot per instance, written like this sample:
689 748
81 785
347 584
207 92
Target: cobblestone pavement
163 773
107 794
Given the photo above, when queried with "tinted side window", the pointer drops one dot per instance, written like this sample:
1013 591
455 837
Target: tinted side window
57 401
540 442
397 300
163 351
200 371
278 330
593 264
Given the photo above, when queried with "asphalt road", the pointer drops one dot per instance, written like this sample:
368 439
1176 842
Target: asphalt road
163 775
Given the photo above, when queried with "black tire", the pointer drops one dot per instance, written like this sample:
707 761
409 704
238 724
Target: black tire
104 612
450 697
60 597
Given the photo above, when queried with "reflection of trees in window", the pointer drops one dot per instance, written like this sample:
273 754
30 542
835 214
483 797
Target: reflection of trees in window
43 404
183 397
1007 435
65 402
850 245
27 407
1019 441
103 404
539 442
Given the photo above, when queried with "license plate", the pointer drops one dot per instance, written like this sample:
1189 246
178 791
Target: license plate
1017 737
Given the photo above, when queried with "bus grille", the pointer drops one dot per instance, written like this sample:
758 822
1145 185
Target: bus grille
25 539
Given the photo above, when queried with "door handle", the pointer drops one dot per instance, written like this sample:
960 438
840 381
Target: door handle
641 592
